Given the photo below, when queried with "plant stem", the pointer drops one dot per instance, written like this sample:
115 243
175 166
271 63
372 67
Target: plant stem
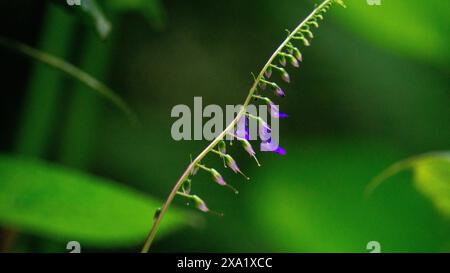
187 172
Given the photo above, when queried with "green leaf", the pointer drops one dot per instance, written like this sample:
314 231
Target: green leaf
59 203
431 177
73 71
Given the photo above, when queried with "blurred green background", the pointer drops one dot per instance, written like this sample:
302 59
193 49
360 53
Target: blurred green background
372 90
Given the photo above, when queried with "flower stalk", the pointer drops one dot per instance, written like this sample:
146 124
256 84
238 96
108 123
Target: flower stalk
285 45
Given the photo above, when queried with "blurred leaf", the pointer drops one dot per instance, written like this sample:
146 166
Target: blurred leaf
56 202
152 10
311 200
414 28
431 177
72 71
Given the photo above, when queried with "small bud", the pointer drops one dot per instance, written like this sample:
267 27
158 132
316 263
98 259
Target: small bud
298 54
222 146
308 32
263 85
268 72
233 165
314 23
279 92
199 203
217 177
285 76
249 149
294 61
282 60
305 41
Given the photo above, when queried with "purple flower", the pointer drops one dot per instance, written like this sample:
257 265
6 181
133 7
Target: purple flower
270 146
280 150
275 111
243 130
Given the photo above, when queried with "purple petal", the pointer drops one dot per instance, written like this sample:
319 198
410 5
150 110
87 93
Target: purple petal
203 207
282 115
280 150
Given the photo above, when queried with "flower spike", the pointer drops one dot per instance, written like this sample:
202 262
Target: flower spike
284 53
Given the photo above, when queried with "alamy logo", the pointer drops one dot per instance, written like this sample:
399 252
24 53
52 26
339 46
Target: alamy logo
253 125
374 2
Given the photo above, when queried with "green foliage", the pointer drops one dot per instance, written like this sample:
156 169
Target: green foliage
52 201
315 203
431 177
413 28
72 71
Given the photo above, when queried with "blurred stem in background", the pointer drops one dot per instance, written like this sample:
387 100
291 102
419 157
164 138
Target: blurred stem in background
42 102
47 89
82 115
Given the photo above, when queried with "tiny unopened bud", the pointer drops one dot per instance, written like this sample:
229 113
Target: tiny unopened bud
285 76
306 42
268 72
279 92
233 165
294 61
217 177
222 146
298 54
199 203
249 149
263 85
282 60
